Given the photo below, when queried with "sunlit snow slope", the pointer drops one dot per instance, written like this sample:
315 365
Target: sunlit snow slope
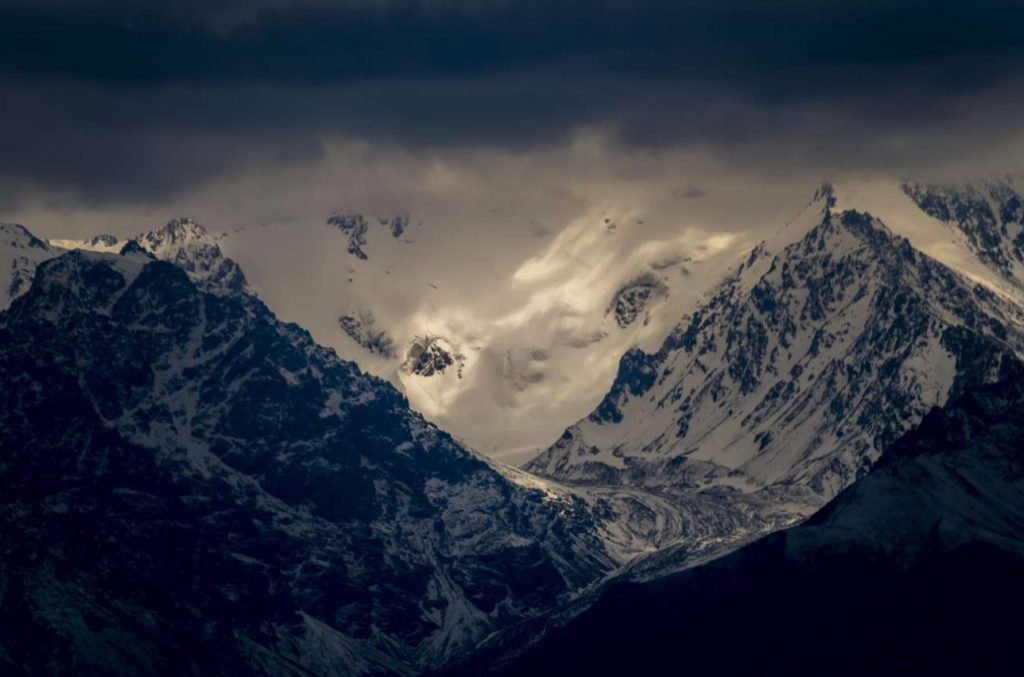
916 569
191 484
832 339
500 341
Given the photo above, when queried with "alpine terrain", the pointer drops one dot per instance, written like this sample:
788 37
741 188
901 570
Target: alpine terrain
192 486
195 486
829 341
918 568
598 339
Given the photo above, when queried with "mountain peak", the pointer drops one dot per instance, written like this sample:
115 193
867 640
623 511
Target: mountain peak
175 231
14 234
988 215
294 490
191 247
20 253
825 192
103 240
184 224
932 535
794 375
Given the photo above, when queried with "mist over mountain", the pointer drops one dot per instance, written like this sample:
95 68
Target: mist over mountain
915 567
363 540
460 338
193 485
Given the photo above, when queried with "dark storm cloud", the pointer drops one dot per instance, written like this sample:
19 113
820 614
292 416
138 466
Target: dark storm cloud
121 101
742 40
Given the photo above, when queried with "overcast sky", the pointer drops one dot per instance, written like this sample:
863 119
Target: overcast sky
121 111
515 134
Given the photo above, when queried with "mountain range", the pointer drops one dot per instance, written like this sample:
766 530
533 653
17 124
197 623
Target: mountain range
524 334
196 486
822 348
917 568
193 485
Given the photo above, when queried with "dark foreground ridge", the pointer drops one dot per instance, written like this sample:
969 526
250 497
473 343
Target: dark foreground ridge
916 569
192 487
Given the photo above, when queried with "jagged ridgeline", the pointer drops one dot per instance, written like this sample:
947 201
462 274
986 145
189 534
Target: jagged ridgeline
989 214
827 344
192 486
20 252
916 569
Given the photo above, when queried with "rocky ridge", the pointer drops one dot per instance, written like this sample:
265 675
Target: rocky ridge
194 485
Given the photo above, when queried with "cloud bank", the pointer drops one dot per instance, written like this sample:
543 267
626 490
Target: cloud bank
125 104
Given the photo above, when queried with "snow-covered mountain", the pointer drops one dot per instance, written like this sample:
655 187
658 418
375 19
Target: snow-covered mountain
987 216
182 242
829 342
918 568
542 314
533 325
968 226
504 381
20 253
780 387
192 485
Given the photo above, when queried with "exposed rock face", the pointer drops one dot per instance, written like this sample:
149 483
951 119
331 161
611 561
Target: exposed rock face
429 355
180 241
20 253
989 215
789 382
103 241
362 328
918 565
356 227
189 246
634 298
396 224
192 485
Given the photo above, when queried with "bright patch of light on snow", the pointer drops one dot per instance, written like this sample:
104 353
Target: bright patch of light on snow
886 201
528 317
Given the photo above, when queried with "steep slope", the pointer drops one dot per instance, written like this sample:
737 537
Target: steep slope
918 568
181 241
184 243
781 390
192 486
20 253
537 317
536 324
988 216
189 246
